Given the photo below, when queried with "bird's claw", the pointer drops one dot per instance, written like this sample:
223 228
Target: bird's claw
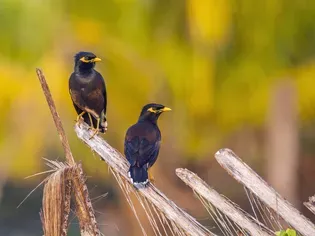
79 121
96 131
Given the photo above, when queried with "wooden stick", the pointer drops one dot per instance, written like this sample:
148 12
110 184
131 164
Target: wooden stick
57 120
119 164
246 176
225 206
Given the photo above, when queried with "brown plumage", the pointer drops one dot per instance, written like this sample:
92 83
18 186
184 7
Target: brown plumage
88 92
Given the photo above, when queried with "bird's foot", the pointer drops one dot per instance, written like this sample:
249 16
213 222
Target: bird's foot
95 132
80 119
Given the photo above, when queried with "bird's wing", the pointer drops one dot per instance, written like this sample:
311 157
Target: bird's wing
104 94
75 93
132 150
148 152
93 95
141 150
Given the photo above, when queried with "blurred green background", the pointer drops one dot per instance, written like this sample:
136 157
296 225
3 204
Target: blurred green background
237 74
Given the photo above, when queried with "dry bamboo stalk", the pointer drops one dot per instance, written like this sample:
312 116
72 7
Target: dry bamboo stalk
84 209
246 176
56 118
119 164
56 202
225 206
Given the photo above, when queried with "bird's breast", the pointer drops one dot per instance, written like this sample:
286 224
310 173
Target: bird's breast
85 78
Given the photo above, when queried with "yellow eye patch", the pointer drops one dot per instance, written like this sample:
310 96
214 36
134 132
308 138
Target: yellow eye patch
96 59
151 110
159 110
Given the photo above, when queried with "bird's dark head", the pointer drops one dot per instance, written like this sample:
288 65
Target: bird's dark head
152 111
85 61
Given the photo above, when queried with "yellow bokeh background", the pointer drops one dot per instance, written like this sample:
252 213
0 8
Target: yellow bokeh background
214 63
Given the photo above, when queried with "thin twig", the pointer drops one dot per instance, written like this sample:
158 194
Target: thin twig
57 120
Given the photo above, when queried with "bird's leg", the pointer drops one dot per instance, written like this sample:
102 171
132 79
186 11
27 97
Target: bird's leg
91 122
78 120
97 128
151 178
80 115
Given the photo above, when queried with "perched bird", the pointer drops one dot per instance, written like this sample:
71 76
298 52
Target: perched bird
142 143
88 92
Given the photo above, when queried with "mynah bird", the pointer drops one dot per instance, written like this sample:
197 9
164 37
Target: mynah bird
88 92
142 144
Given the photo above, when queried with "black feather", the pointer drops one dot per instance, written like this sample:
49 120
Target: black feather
88 90
142 144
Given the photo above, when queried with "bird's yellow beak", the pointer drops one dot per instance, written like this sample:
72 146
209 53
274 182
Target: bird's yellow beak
96 59
166 109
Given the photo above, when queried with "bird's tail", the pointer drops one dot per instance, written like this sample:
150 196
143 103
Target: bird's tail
139 175
103 124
